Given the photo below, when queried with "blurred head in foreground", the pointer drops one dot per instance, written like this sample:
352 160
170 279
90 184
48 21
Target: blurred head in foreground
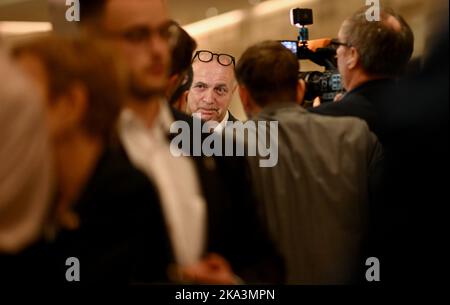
80 88
25 161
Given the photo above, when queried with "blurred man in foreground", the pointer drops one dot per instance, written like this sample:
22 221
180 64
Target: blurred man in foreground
216 238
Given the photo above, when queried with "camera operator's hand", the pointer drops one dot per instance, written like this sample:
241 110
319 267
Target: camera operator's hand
317 102
339 97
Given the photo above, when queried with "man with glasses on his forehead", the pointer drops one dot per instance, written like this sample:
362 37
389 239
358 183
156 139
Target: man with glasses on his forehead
213 87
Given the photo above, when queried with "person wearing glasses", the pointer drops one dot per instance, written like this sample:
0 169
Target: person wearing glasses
214 231
315 199
213 87
370 55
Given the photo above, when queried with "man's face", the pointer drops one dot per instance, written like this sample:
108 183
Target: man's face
343 55
212 90
141 33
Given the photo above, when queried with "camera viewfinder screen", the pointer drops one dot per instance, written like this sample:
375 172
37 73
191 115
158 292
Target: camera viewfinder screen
291 45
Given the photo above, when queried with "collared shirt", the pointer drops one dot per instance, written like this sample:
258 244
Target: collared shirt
183 205
222 124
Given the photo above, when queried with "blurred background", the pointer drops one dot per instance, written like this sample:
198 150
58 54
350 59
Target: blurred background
227 26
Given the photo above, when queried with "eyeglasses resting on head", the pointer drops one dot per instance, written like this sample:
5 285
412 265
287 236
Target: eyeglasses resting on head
207 56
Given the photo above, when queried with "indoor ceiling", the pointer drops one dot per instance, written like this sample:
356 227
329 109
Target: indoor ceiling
184 11
188 11
24 10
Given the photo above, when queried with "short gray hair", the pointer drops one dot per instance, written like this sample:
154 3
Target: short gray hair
383 49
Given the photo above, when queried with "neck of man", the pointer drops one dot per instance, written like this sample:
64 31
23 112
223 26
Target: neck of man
359 78
76 159
253 109
147 110
282 100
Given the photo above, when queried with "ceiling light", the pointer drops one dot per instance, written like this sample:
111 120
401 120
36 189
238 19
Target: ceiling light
19 27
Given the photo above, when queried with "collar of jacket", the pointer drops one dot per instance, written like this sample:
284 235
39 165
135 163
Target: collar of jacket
276 107
374 82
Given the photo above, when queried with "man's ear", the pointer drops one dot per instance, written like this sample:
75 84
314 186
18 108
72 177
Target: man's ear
181 103
172 84
235 86
352 62
244 94
301 89
70 109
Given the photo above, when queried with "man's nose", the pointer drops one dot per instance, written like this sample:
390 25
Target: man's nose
208 97
158 45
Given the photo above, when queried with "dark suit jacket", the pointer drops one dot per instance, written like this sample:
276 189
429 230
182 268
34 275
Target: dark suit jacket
412 220
234 228
231 118
363 102
121 238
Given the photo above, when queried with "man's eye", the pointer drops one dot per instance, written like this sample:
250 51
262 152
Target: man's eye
168 31
137 35
200 86
221 90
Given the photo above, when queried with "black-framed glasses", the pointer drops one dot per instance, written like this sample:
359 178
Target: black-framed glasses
335 43
208 56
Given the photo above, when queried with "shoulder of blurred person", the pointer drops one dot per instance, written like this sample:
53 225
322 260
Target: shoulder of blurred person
297 125
121 224
119 201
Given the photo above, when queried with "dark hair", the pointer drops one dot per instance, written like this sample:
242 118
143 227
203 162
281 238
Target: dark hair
182 52
269 71
91 11
383 49
184 86
71 60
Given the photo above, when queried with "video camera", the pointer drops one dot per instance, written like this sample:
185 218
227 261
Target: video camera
318 84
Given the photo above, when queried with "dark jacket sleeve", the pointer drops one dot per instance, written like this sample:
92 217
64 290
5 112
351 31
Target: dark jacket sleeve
247 246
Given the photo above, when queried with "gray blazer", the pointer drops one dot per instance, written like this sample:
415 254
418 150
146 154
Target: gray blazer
315 200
